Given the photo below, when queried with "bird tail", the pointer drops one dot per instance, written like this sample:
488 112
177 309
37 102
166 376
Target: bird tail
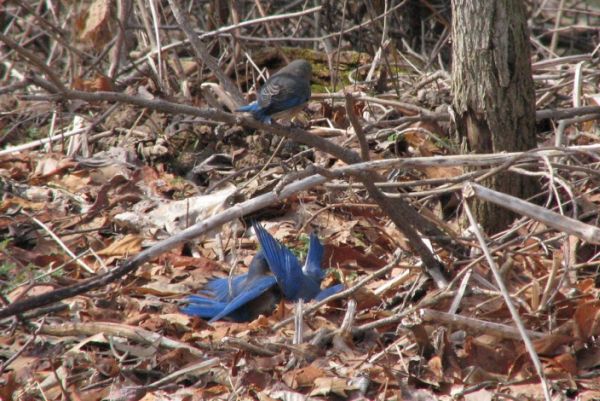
257 112
249 108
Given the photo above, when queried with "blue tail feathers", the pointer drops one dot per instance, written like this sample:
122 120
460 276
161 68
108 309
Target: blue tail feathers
257 112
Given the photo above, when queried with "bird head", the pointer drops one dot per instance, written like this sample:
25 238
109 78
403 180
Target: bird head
300 68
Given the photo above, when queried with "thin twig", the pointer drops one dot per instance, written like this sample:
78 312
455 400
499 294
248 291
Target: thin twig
35 60
61 244
358 130
203 55
508 302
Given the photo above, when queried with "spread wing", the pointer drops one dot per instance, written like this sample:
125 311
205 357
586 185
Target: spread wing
282 262
251 292
220 289
203 307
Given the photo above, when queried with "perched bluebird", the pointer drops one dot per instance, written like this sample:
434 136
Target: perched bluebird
245 297
284 93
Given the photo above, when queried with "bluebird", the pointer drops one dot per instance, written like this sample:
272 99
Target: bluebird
242 298
284 93
274 272
295 282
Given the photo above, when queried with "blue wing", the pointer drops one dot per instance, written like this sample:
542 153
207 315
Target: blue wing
209 308
220 290
251 292
282 92
238 309
312 265
203 307
327 292
282 262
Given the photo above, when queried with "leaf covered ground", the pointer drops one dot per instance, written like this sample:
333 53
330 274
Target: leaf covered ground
91 210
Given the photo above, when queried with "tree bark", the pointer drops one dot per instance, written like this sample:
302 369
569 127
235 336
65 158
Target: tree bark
494 97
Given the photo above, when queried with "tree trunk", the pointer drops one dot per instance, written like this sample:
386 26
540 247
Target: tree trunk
494 98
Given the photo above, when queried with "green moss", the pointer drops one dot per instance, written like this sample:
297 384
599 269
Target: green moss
302 251
33 133
319 88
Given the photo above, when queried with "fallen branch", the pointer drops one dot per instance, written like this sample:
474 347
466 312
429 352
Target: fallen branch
551 219
477 325
137 334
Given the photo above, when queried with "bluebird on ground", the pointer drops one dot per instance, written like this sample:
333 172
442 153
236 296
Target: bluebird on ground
273 273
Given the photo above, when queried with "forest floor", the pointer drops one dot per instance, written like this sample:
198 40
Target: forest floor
99 178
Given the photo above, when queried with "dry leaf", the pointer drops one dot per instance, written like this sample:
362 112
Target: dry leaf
96 31
126 246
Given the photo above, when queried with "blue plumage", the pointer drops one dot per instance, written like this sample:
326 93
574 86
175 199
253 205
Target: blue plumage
242 298
295 282
274 272
283 94
329 291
